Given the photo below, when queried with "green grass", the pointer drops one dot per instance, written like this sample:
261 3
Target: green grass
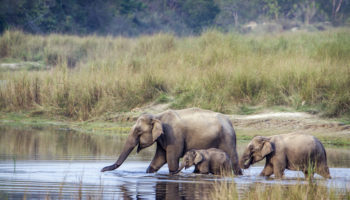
86 77
247 110
163 98
101 126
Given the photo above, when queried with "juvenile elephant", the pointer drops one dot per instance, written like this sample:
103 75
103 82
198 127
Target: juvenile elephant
292 151
211 160
177 131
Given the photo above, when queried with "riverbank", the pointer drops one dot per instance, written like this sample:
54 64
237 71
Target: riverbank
329 131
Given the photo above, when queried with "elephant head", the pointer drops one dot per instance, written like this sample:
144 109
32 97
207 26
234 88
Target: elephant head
255 151
190 158
144 133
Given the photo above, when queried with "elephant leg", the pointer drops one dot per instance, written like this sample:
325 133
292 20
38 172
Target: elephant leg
308 175
267 171
196 170
233 156
158 160
172 157
204 168
278 170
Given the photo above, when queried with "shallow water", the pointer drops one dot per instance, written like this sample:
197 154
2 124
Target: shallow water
61 164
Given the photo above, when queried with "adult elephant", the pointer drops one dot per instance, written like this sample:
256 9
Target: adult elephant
176 132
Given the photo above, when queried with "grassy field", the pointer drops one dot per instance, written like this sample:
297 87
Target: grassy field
85 77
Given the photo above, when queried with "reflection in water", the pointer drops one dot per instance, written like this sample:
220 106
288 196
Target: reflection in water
53 144
125 193
338 157
165 190
61 164
183 190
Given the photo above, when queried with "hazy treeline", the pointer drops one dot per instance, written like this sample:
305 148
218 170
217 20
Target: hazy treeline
183 17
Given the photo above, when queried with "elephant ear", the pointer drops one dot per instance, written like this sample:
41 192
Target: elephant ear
198 158
157 129
267 148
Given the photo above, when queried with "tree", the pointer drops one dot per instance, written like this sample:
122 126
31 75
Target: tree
199 13
309 9
271 8
336 4
229 10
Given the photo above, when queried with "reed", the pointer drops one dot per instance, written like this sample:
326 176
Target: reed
300 190
85 77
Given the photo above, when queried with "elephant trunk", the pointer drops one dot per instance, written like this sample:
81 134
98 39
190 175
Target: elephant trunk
180 168
245 161
130 144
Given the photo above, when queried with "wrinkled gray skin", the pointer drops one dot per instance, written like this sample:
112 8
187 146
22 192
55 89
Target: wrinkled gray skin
212 160
292 151
177 131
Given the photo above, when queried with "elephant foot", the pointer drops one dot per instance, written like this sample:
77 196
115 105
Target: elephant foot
264 175
279 177
238 172
173 173
196 171
151 170
109 168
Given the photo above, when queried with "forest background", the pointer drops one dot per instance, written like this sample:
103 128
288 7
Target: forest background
181 17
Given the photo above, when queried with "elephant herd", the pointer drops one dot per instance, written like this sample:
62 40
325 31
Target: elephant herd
207 140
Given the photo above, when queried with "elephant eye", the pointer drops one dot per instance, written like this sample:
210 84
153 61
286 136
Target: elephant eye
252 150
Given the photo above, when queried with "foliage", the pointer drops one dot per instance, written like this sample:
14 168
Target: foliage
301 190
199 13
137 17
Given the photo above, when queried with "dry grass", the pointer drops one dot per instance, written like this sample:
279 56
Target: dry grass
89 76
311 190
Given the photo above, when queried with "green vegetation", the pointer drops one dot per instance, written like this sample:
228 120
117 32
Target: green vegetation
87 77
310 190
27 120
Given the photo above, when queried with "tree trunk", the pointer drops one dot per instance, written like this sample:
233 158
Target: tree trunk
235 16
309 11
335 9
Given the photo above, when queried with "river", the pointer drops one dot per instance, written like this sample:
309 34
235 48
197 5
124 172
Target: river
54 163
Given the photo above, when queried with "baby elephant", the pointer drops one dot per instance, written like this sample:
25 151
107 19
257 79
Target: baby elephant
212 160
292 151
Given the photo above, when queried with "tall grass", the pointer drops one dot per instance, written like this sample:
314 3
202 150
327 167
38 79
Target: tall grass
310 190
89 76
